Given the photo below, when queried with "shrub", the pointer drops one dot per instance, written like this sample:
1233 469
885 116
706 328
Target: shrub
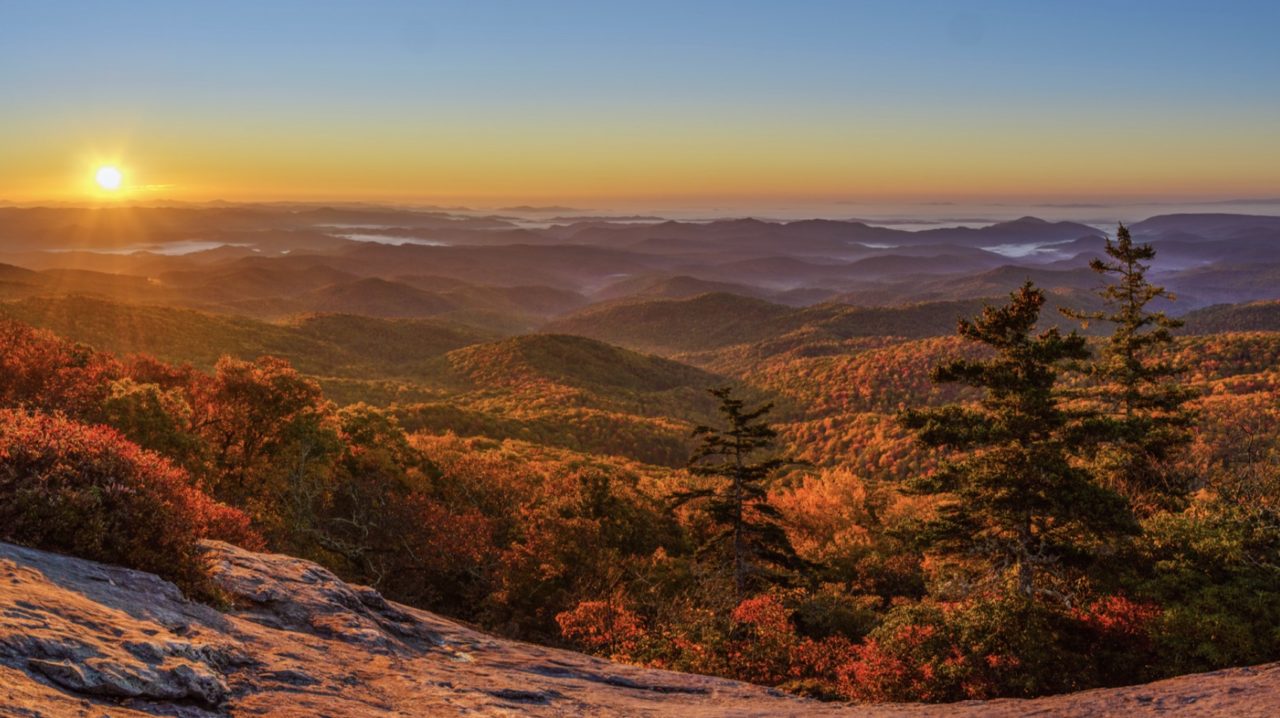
763 640
89 492
1121 638
1001 646
1214 570
603 627
765 648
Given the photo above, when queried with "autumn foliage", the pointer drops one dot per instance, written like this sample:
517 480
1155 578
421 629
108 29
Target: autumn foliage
86 490
537 499
604 627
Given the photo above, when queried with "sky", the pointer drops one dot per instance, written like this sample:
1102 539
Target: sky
640 104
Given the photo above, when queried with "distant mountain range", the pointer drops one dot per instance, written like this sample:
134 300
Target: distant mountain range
274 261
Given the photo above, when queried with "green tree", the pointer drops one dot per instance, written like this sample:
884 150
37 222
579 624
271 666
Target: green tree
155 418
749 533
1012 502
362 511
1143 419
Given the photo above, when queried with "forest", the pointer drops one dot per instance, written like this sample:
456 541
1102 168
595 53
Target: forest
835 501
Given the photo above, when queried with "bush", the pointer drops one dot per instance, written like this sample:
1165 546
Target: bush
1121 638
765 648
937 652
89 492
603 627
1214 569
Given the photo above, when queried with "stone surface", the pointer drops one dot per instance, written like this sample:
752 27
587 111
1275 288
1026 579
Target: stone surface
83 639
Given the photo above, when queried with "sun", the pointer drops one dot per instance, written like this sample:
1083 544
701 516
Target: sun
109 178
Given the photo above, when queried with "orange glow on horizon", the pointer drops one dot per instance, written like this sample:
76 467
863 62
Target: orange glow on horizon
475 165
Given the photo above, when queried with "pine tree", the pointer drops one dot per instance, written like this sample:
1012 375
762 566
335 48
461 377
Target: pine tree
749 535
1012 500
1144 419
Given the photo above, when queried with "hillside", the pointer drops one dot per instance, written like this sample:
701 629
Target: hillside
375 297
325 345
1250 317
572 392
670 325
717 320
670 287
84 638
574 361
565 391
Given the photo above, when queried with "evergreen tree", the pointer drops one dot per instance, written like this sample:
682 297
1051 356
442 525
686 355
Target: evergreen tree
1144 420
749 533
1013 501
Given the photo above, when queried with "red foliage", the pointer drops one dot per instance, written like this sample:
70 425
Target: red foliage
978 649
39 370
603 626
450 541
1118 617
889 670
761 652
1122 637
88 491
766 649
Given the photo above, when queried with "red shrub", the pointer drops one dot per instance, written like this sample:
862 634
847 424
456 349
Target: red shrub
1120 636
760 652
766 649
1119 617
900 666
89 492
604 627
454 541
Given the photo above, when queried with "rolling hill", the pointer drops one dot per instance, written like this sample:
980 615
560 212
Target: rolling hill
1251 317
715 321
577 362
357 347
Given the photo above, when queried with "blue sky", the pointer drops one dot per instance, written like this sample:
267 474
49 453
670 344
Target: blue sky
246 75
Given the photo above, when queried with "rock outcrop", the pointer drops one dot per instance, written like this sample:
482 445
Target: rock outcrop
79 638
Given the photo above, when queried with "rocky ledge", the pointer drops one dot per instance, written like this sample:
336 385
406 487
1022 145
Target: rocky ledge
78 638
